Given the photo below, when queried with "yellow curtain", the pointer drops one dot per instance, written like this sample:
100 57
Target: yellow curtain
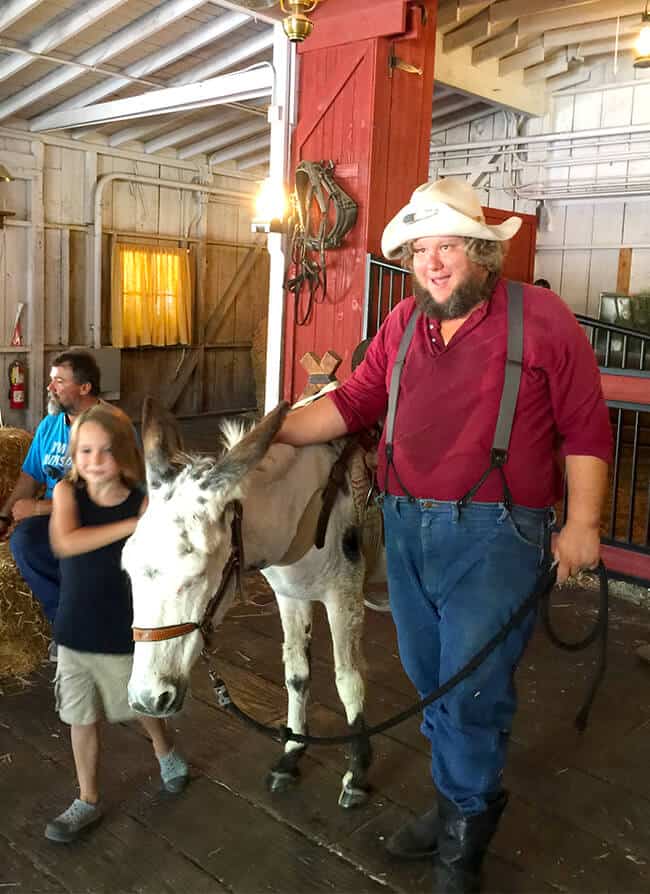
151 296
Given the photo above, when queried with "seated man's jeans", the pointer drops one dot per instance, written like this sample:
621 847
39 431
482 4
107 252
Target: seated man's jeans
30 545
455 577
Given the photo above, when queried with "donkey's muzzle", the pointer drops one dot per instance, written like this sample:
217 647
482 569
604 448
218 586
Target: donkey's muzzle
168 699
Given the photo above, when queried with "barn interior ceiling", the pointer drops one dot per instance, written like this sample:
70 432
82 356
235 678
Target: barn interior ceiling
114 72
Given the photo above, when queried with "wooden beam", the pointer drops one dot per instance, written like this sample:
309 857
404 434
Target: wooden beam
35 298
222 89
607 47
532 55
456 71
624 270
557 64
605 30
218 316
451 13
473 31
14 10
503 43
503 10
579 75
171 393
569 17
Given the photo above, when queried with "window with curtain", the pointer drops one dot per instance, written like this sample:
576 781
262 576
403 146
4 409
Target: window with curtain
151 301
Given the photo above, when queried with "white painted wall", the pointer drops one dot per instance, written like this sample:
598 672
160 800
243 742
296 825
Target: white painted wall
579 253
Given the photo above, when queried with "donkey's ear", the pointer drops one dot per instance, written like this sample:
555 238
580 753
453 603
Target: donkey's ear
161 440
249 452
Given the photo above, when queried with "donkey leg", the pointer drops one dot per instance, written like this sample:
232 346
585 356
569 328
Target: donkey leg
345 616
296 625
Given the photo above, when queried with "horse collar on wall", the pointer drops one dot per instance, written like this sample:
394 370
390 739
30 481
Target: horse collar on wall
317 196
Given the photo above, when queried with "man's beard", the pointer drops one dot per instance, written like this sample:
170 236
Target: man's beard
464 298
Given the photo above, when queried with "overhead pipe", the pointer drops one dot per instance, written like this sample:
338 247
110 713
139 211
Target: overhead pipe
102 182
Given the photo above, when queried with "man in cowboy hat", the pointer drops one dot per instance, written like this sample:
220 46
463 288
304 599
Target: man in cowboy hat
466 539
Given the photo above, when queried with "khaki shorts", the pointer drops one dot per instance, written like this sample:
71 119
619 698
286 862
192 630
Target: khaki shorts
90 686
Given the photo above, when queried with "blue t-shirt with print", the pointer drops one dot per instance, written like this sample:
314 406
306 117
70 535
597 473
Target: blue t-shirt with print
47 460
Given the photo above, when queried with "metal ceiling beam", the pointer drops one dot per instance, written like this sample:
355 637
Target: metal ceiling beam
239 150
225 88
223 138
134 32
60 30
222 61
14 10
165 56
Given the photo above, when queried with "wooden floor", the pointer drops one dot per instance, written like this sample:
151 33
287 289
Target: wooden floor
578 818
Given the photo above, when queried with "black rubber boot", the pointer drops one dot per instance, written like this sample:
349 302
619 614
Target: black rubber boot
462 843
417 839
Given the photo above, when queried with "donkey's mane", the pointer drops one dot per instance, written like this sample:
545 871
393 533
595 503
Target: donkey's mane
233 430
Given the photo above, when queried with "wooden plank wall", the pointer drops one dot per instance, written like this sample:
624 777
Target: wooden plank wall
579 254
216 231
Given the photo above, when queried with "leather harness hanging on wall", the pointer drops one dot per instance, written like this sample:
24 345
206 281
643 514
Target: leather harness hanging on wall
314 232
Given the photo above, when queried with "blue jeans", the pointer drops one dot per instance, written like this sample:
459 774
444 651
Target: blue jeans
30 545
455 577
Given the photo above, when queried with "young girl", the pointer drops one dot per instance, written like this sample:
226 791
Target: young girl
94 511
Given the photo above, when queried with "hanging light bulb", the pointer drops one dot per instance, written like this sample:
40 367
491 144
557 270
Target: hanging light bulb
642 46
271 207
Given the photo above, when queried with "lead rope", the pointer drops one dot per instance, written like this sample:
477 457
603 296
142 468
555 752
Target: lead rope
541 592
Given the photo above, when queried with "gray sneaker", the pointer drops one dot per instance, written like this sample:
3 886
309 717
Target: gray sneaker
174 772
68 825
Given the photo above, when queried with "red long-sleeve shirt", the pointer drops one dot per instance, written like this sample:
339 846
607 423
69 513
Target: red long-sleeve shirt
449 401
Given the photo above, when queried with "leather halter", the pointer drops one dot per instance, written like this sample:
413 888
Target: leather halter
233 566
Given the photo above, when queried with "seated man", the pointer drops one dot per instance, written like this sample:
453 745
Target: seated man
74 386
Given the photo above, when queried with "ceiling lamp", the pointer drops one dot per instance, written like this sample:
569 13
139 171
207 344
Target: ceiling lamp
5 175
642 46
296 25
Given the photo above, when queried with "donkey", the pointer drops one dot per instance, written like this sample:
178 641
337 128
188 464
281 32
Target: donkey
176 560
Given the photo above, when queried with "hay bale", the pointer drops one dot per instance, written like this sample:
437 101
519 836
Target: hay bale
14 444
24 632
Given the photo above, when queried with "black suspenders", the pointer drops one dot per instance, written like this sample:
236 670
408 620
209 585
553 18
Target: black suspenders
499 451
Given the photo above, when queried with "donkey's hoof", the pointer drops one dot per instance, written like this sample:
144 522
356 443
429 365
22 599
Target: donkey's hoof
282 780
352 796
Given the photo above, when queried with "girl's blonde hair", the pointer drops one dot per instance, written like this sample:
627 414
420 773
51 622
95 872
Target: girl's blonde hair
117 426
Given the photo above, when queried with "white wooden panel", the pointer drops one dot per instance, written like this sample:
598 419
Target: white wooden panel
636 223
578 225
53 287
641 104
553 234
608 224
15 279
548 265
5 335
602 277
640 272
72 187
575 279
617 107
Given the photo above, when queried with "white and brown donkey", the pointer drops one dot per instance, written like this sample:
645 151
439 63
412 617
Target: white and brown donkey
177 555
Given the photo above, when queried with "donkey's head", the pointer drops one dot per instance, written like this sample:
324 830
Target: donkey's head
176 556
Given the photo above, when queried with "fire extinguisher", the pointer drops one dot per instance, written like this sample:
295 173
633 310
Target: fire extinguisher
17 386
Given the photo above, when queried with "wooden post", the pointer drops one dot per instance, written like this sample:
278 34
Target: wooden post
373 119
624 269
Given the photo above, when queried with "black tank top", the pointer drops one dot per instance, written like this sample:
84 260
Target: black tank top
95 613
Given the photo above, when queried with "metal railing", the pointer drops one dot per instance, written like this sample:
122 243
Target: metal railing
617 347
626 519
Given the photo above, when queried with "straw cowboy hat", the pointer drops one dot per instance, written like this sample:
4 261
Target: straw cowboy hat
443 208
